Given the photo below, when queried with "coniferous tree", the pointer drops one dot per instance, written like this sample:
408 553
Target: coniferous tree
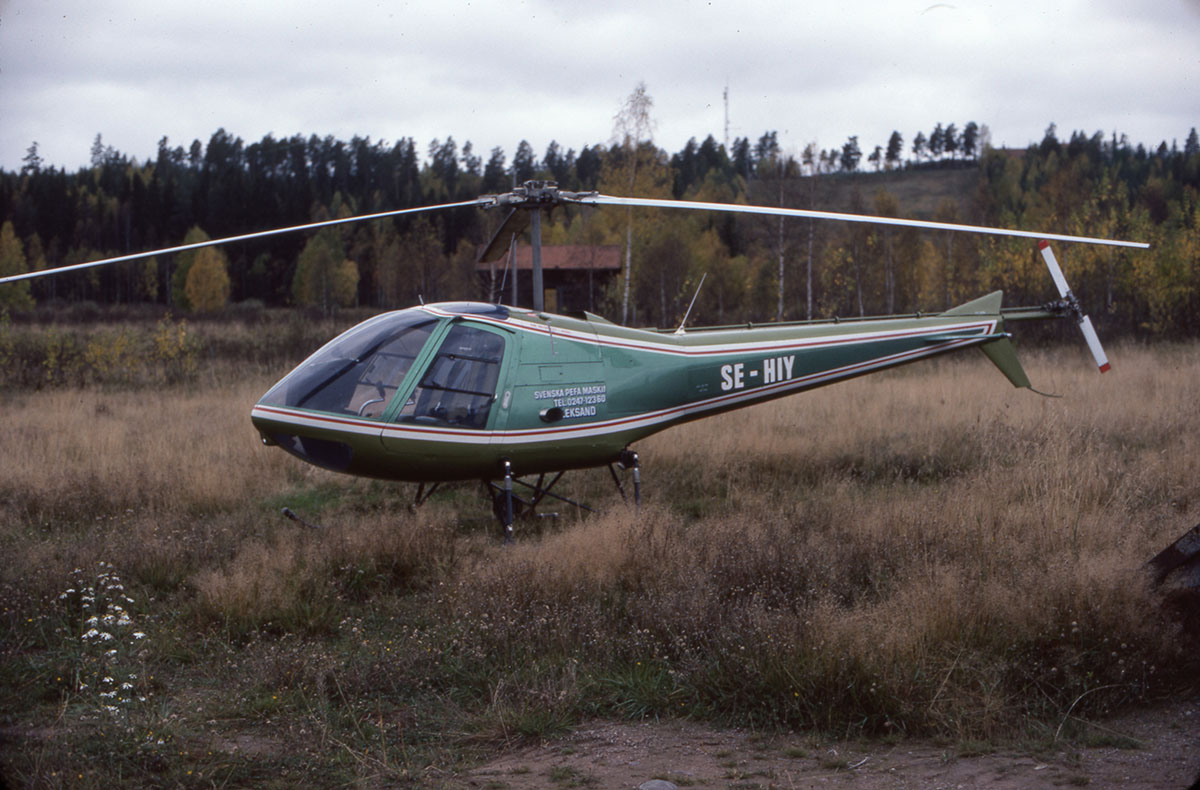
950 141
1049 142
919 147
937 142
524 164
588 165
970 140
742 157
472 164
895 150
495 174
851 154
31 163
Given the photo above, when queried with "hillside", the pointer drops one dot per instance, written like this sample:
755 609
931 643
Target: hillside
919 192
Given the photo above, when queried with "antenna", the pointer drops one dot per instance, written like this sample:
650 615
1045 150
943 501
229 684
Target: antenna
679 331
725 96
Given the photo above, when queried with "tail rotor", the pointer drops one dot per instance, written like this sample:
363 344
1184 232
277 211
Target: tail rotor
1072 304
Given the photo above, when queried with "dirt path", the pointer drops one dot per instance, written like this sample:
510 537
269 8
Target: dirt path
1158 748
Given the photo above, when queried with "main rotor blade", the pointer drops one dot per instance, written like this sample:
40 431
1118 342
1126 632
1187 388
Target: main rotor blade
608 200
243 237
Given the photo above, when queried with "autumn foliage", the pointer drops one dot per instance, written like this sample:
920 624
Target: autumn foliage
756 268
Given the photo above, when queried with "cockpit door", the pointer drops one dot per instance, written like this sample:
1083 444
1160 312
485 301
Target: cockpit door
458 389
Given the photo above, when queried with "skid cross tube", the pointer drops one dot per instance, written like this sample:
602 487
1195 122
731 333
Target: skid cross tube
540 493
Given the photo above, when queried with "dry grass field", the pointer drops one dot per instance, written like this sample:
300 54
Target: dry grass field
927 552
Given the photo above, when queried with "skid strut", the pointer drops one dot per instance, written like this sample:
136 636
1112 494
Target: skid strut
629 460
423 495
509 506
506 520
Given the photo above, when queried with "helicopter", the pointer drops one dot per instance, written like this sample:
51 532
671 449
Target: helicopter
461 391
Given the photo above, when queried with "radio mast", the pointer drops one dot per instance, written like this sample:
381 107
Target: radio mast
725 96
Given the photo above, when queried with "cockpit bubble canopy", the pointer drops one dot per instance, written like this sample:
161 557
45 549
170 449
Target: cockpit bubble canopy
359 371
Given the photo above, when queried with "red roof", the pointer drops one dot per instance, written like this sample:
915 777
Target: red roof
580 257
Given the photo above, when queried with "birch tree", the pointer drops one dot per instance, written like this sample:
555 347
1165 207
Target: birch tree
632 126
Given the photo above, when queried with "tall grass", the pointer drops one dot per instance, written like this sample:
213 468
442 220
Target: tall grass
83 454
925 551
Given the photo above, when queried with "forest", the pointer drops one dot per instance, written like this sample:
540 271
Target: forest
757 269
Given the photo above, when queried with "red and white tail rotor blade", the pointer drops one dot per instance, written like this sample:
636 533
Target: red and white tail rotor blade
1085 323
1093 341
1056 272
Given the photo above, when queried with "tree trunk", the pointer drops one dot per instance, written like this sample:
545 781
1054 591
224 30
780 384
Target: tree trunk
628 265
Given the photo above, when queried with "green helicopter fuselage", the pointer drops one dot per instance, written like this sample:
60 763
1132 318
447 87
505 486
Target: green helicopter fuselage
452 391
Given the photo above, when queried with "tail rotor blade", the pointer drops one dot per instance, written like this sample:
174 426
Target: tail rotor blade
1085 323
1093 341
1055 270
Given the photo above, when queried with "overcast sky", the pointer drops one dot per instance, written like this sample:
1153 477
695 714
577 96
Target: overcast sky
495 73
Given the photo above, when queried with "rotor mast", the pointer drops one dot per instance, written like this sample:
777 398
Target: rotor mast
527 203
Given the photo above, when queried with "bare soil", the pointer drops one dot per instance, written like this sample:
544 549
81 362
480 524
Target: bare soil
1156 748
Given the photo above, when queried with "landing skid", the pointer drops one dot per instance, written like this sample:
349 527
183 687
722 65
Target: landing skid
510 504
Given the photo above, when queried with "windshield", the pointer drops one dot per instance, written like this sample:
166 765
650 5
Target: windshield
358 371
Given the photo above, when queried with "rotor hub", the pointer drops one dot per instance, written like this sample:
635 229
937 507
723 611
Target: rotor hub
534 194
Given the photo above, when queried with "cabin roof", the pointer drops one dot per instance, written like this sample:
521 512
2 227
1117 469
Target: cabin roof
577 257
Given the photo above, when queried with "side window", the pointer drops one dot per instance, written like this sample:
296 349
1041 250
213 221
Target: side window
460 383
